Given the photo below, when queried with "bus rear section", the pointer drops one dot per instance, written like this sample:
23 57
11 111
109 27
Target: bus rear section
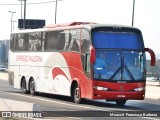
118 64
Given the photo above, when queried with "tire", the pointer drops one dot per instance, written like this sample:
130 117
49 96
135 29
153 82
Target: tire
121 102
32 87
76 97
23 86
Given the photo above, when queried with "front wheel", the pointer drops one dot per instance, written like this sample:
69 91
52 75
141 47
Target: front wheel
76 95
121 102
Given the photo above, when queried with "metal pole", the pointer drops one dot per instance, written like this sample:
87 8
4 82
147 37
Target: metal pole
24 25
56 12
13 23
133 13
21 9
11 18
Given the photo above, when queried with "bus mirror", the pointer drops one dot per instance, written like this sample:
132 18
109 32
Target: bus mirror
92 54
152 54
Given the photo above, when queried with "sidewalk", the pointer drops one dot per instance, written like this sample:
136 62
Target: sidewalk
3 76
153 89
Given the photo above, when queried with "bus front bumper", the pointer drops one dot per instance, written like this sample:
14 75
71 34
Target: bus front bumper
118 95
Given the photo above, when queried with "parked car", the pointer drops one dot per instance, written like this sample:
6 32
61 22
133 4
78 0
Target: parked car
3 68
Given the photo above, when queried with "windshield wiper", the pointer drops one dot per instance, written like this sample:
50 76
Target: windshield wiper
127 69
129 72
116 72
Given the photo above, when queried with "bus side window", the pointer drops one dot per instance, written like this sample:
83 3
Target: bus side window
25 42
51 40
74 45
75 40
19 42
61 41
12 43
87 65
85 43
35 41
85 46
67 39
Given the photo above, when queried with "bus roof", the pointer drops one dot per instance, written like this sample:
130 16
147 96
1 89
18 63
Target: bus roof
72 25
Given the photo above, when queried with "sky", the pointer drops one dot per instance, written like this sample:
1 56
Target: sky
147 16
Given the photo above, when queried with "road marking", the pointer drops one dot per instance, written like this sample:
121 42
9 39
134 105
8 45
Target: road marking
57 102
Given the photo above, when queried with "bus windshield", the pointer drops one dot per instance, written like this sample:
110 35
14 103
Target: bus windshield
119 56
119 65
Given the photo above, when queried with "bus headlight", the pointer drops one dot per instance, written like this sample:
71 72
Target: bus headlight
100 88
139 89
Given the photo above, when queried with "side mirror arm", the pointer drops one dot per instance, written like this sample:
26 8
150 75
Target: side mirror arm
153 56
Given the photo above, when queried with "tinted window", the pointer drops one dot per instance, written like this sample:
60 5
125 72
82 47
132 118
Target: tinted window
117 40
72 40
63 40
21 42
68 40
85 41
12 42
35 41
51 40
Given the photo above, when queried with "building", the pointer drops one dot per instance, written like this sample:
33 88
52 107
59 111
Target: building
4 48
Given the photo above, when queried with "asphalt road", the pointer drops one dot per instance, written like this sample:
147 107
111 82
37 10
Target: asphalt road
47 102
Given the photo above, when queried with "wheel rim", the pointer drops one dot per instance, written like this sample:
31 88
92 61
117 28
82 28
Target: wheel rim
23 85
76 94
32 86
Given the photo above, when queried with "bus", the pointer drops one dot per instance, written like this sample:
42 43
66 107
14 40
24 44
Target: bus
82 60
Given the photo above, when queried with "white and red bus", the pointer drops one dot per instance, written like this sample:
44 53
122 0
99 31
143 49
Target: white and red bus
82 60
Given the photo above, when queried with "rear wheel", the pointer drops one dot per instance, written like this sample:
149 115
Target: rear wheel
120 102
76 95
23 86
32 87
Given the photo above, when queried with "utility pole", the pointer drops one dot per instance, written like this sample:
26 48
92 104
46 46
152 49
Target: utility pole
56 12
13 23
133 13
21 7
12 12
24 19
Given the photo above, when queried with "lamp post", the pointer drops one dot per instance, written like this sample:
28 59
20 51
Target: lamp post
24 19
12 12
56 10
13 23
21 7
133 13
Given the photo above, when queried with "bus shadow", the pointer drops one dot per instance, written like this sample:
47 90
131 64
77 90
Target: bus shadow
130 105
97 103
54 96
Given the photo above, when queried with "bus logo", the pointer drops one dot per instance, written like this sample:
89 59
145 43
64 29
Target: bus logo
121 87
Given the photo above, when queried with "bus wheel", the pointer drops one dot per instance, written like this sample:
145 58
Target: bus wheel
23 86
120 102
76 94
32 87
